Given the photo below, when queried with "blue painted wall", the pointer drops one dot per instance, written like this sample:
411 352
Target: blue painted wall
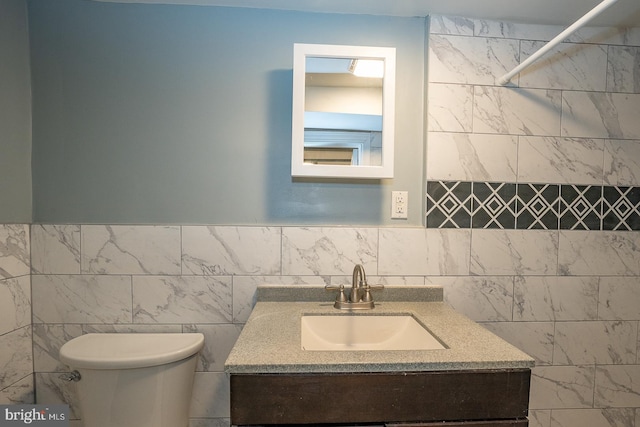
182 114
15 114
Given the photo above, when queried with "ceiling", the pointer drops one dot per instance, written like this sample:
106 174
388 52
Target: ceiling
624 13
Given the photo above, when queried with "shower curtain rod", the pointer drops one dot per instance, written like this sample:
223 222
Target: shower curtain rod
556 40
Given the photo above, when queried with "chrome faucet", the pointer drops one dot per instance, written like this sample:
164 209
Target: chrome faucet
358 280
360 296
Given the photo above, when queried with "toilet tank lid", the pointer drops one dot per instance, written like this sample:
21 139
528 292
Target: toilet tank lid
125 351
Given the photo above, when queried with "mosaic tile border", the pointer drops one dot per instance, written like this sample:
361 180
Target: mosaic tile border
529 206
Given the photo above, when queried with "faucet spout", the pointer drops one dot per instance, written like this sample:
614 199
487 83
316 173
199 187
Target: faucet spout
360 296
358 282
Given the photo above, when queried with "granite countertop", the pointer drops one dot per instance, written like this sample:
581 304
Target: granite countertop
270 340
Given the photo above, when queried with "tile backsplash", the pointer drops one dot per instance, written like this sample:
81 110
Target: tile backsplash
567 297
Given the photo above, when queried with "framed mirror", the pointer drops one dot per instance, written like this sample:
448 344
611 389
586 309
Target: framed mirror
343 111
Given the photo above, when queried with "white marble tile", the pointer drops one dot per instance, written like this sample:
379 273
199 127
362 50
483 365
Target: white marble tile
543 298
17 363
218 341
632 36
560 160
328 250
617 386
124 249
181 299
47 340
210 395
55 249
514 252
606 417
568 66
539 418
517 111
450 107
471 157
479 298
222 250
440 24
244 297
554 387
15 303
81 299
619 298
622 162
385 280
514 30
606 253
589 34
19 393
14 250
600 115
53 390
534 338
601 342
601 35
131 328
244 290
623 73
470 60
415 251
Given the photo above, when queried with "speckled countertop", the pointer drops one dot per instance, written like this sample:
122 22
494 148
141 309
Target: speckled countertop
270 340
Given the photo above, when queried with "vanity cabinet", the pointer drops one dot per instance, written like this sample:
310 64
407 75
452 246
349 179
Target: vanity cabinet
473 379
480 398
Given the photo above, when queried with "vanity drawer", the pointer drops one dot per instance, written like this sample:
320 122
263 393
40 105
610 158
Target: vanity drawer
393 397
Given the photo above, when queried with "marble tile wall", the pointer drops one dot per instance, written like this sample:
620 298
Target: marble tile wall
98 278
536 174
568 298
16 356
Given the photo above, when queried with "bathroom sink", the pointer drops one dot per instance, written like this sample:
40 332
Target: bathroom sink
365 332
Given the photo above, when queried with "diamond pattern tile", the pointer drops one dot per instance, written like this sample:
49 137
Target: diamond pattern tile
449 204
537 206
580 207
494 205
621 208
527 206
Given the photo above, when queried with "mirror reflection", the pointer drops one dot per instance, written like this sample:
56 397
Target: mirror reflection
343 111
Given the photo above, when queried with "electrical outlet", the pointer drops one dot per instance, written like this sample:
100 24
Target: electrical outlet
399 204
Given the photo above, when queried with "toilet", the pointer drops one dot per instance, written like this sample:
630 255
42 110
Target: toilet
133 380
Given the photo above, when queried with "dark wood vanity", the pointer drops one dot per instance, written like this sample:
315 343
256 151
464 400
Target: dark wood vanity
484 398
474 379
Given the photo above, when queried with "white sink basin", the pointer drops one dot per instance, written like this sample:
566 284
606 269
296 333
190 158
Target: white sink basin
365 332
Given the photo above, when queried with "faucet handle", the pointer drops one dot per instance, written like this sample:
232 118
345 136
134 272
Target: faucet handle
340 288
367 291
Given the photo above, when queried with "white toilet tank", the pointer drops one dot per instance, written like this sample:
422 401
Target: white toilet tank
134 380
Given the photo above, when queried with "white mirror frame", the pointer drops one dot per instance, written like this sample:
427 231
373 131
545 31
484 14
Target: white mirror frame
300 54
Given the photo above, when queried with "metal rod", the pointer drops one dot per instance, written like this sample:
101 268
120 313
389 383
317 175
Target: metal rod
557 40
